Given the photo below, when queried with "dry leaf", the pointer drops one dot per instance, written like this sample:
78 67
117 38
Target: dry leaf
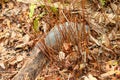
73 56
26 38
45 27
112 35
109 73
105 40
28 1
20 46
82 66
114 6
95 40
110 18
86 78
2 65
19 58
67 46
8 23
89 77
10 5
40 78
113 63
19 65
101 18
61 55
2 49
13 34
13 61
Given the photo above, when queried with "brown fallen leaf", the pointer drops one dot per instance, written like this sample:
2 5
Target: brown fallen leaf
61 55
2 65
73 56
26 38
67 46
12 61
114 6
109 73
89 77
82 66
19 58
11 5
105 40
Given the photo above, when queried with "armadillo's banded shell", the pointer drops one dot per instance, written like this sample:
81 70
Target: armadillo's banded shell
63 32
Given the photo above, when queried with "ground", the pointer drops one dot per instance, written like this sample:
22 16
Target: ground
93 56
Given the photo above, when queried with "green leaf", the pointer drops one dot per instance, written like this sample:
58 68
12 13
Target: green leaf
32 7
6 1
49 1
42 14
54 9
103 2
35 24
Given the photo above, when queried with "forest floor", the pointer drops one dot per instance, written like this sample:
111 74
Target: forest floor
23 21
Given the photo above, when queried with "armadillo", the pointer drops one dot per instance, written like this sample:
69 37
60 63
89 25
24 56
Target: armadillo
60 33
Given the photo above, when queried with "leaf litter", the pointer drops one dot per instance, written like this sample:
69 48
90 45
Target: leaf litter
17 40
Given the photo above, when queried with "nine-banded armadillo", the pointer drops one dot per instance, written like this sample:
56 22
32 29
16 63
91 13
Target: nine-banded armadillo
60 33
